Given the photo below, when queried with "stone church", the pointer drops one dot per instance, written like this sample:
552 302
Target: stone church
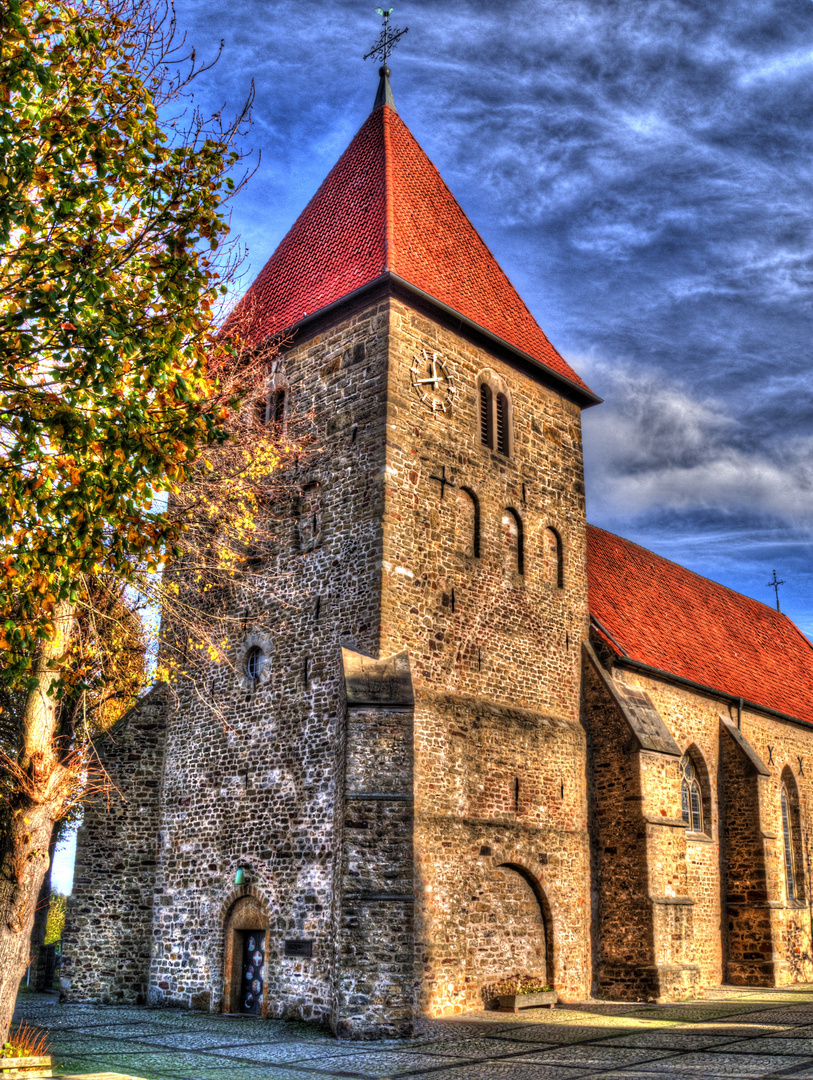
478 738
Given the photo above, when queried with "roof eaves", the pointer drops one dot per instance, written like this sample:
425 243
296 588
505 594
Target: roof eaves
586 397
606 634
725 695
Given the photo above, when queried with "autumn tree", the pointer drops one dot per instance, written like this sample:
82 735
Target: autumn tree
115 390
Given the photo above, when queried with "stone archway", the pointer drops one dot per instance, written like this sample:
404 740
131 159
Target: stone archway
508 933
246 924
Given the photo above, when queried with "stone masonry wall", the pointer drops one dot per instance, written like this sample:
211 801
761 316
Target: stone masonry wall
108 926
625 830
375 931
495 656
746 865
257 790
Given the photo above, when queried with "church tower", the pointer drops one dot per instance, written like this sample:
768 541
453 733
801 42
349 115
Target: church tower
395 818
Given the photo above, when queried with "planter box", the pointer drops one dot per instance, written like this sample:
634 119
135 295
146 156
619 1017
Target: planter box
514 1002
27 1068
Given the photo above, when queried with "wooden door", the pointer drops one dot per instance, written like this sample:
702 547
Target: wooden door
253 980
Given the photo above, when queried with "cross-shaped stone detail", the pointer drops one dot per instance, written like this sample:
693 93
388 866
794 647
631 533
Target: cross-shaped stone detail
442 481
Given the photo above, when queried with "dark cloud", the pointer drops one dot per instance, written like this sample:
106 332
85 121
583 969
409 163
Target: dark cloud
642 172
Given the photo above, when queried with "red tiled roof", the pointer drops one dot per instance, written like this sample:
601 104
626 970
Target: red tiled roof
665 616
384 207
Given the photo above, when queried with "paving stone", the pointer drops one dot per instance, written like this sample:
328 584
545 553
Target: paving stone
499 1070
597 1057
737 1065
558 1035
624 1043
772 1045
797 1015
671 1040
481 1047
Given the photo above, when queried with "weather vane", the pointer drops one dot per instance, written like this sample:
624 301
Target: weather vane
775 586
388 38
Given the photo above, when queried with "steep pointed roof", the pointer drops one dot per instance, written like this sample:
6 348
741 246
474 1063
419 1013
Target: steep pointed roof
653 611
384 210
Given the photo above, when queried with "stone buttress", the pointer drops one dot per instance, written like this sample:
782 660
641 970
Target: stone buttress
644 927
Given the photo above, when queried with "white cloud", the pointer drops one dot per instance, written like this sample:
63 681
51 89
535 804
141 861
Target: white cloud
780 67
653 446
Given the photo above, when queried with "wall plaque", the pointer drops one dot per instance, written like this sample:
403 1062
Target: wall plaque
299 948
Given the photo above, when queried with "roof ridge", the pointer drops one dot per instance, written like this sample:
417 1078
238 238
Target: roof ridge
389 224
702 577
802 635
482 242
385 209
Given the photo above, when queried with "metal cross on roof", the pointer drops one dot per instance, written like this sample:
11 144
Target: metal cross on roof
775 586
387 39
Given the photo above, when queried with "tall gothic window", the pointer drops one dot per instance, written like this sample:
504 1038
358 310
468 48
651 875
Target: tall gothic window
691 797
787 834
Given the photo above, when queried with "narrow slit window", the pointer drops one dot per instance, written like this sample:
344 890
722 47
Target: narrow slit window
486 434
310 517
552 555
276 409
513 540
502 424
467 523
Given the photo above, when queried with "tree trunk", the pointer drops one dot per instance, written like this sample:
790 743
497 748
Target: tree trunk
38 963
37 802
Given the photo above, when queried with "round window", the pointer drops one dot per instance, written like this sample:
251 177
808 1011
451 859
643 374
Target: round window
254 662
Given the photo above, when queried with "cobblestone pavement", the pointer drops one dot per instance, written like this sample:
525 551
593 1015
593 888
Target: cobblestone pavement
731 1033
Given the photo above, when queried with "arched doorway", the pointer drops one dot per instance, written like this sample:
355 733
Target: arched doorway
246 957
507 932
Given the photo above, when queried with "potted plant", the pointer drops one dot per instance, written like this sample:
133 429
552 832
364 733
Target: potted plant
25 1054
522 992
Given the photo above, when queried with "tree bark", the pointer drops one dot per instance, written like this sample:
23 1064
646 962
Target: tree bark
37 803
40 929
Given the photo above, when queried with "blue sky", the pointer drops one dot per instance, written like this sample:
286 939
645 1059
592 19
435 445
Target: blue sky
642 172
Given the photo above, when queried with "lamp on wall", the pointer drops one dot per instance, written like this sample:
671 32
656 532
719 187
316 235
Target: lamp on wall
240 876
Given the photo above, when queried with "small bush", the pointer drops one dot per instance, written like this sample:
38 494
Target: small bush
56 918
25 1040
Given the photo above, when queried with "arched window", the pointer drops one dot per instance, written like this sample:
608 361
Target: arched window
494 418
270 407
467 523
691 797
276 409
254 662
513 540
486 426
552 558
